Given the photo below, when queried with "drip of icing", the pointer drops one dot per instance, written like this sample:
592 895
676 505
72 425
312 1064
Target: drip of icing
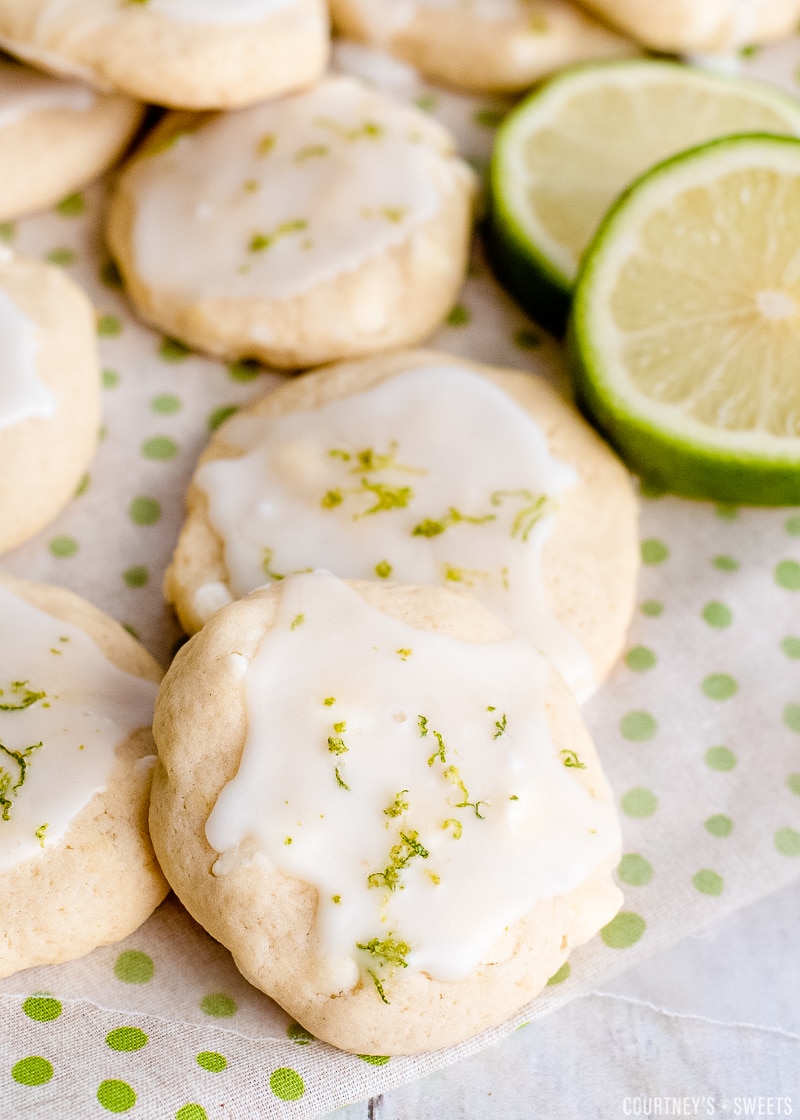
60 743
24 92
274 200
22 394
434 476
408 776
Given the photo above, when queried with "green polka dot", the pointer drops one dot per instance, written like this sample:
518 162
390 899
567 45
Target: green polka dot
159 447
110 274
560 976
791 647
61 256
640 658
134 967
791 717
652 608
220 415
8 231
110 379
42 1009
211 1061
191 1112
166 404
126 1039
650 489
635 870
793 783
726 512
527 339
286 1084
638 727
717 614
32 1071
173 350
720 758
459 316
654 551
639 803
708 882
299 1034
137 576
787 575
145 511
116 1096
719 686
719 825
63 546
793 526
245 370
488 117
109 326
726 563
219 1005
374 1059
624 930
72 206
787 842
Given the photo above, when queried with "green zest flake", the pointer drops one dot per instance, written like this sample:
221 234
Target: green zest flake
337 898
250 185
378 985
398 806
288 840
298 620
400 855
418 849
383 569
39 834
440 752
388 952
369 130
336 745
261 241
340 780
534 508
265 145
513 797
329 700
500 724
387 497
27 696
312 151
368 460
468 576
266 567
453 775
422 723
404 654
331 499
7 789
340 727
571 759
434 878
431 528
456 826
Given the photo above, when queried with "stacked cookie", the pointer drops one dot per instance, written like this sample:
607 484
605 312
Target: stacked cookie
392 564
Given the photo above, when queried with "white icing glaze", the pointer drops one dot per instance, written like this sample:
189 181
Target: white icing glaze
24 92
219 12
276 199
454 447
498 815
22 393
88 708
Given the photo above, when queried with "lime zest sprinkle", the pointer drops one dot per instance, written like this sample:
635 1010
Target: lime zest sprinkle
571 759
288 840
422 723
469 576
336 745
534 509
369 130
6 776
500 724
400 855
368 460
298 620
389 951
440 751
383 569
265 144
28 696
433 528
340 780
453 775
329 700
311 151
404 654
266 565
378 985
336 898
456 826
261 241
40 832
434 878
398 806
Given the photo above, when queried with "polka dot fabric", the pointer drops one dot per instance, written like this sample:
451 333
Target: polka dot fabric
698 728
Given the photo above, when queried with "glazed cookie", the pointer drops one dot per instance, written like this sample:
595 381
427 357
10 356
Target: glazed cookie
425 468
55 137
324 225
193 54
385 807
49 394
77 868
480 44
686 26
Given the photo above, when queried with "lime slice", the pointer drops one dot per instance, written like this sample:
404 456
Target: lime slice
685 329
564 154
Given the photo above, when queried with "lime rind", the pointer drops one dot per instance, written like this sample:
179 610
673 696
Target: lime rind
656 441
539 272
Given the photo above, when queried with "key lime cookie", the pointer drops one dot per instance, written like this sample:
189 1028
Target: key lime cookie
55 137
425 468
687 27
500 45
193 54
324 225
77 869
385 806
49 394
